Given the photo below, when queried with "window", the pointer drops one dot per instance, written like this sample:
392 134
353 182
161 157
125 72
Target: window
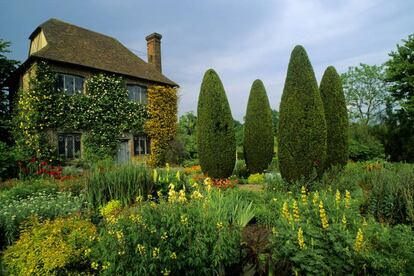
70 84
137 93
141 145
69 145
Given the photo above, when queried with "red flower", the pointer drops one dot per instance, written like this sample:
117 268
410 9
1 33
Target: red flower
44 163
33 160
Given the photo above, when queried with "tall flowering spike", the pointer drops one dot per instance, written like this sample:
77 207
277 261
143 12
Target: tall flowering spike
155 175
301 240
323 216
304 195
285 211
347 199
315 198
296 215
359 240
337 197
344 220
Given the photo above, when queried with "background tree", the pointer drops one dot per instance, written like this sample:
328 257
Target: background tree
336 117
302 125
400 120
215 131
7 66
187 126
258 130
366 92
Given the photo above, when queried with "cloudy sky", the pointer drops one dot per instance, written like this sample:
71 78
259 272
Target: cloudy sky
242 40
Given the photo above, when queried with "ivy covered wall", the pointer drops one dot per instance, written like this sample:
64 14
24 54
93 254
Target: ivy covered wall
103 113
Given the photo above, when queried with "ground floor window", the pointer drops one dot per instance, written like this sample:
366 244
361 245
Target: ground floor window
141 145
69 145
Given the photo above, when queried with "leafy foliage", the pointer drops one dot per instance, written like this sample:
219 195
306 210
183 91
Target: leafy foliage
54 247
42 204
215 132
122 183
366 92
302 125
400 124
336 118
174 238
161 126
258 130
363 145
7 66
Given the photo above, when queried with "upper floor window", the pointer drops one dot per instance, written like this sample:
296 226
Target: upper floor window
137 93
70 84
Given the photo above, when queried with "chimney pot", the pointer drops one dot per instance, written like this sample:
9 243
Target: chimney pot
154 50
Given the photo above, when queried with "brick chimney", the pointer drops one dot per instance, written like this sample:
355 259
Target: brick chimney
154 50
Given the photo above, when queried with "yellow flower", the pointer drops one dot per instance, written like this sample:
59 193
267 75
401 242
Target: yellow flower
344 221
88 251
322 214
337 198
181 197
110 208
164 236
315 198
172 194
301 240
177 175
359 240
106 265
296 211
165 272
173 256
139 199
155 252
159 193
219 225
184 219
274 231
196 195
140 248
285 210
347 198
95 265
119 235
303 195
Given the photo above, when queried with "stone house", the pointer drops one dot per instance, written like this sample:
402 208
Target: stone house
75 53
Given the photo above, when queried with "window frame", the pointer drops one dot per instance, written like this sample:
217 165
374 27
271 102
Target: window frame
141 91
76 143
147 145
74 86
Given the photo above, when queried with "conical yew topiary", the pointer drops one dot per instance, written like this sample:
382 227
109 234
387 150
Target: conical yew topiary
302 125
336 117
215 132
258 130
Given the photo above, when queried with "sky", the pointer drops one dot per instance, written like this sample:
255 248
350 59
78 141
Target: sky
241 40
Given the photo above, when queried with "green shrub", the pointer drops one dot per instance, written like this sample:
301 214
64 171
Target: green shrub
123 183
363 145
200 237
302 125
336 116
8 162
240 169
256 178
58 247
215 132
389 192
258 130
43 205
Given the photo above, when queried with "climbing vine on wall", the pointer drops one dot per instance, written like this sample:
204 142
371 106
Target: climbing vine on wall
104 113
161 125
